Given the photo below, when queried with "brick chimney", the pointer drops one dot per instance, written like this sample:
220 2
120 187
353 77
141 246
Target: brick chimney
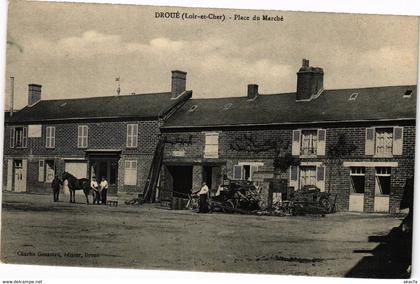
179 81
310 81
252 91
34 94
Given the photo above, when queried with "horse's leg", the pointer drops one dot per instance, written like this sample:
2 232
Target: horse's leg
87 198
70 191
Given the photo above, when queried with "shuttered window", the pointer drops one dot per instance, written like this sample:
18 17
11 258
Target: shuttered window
309 142
307 176
130 172
397 148
19 137
12 137
237 172
41 171
82 136
383 141
211 147
132 135
50 137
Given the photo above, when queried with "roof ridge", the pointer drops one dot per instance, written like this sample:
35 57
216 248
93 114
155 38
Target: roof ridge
102 97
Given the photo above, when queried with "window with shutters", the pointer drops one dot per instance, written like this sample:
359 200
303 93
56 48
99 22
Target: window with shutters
357 178
19 137
132 135
50 137
383 141
309 142
382 180
307 176
130 172
82 136
211 147
41 171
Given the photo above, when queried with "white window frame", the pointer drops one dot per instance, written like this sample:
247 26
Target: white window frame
313 139
384 154
23 137
357 171
50 137
211 145
253 167
301 169
130 172
132 135
82 136
382 172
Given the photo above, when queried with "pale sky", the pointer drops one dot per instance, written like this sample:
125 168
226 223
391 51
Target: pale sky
77 50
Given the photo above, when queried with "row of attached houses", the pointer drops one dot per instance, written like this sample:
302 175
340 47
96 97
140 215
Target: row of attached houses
112 136
355 143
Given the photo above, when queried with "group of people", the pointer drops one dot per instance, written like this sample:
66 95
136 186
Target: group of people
99 190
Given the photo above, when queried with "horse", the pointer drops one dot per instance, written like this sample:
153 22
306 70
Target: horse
74 184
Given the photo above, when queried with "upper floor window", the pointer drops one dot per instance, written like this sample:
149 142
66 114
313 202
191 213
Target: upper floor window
82 136
308 142
50 137
19 137
384 141
211 147
132 135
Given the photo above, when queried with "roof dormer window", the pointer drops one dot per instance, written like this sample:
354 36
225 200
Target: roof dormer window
408 94
353 96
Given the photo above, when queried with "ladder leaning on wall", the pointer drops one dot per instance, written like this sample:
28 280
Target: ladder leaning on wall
149 192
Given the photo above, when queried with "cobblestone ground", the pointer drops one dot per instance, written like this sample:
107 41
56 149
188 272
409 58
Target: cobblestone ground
37 231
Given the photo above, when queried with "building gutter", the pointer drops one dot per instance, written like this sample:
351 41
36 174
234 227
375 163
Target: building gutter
285 123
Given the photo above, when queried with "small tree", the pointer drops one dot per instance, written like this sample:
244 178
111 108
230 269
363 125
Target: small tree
336 152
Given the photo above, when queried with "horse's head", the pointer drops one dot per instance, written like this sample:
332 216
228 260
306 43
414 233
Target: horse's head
65 175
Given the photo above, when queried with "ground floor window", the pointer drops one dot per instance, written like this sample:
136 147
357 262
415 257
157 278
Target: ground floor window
245 171
382 180
307 176
357 177
130 172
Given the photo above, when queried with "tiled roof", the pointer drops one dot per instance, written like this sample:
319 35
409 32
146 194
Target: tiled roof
361 104
128 106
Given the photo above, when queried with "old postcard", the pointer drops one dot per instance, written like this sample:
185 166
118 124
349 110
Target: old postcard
216 140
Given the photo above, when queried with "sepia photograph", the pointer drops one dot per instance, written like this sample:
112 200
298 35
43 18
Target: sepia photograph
209 139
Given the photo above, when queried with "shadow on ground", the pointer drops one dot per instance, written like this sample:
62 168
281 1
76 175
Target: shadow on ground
391 258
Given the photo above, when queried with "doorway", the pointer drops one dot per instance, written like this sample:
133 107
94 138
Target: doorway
212 176
106 167
181 180
19 175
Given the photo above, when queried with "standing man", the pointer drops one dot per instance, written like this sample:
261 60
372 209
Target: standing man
203 193
95 187
104 188
55 184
